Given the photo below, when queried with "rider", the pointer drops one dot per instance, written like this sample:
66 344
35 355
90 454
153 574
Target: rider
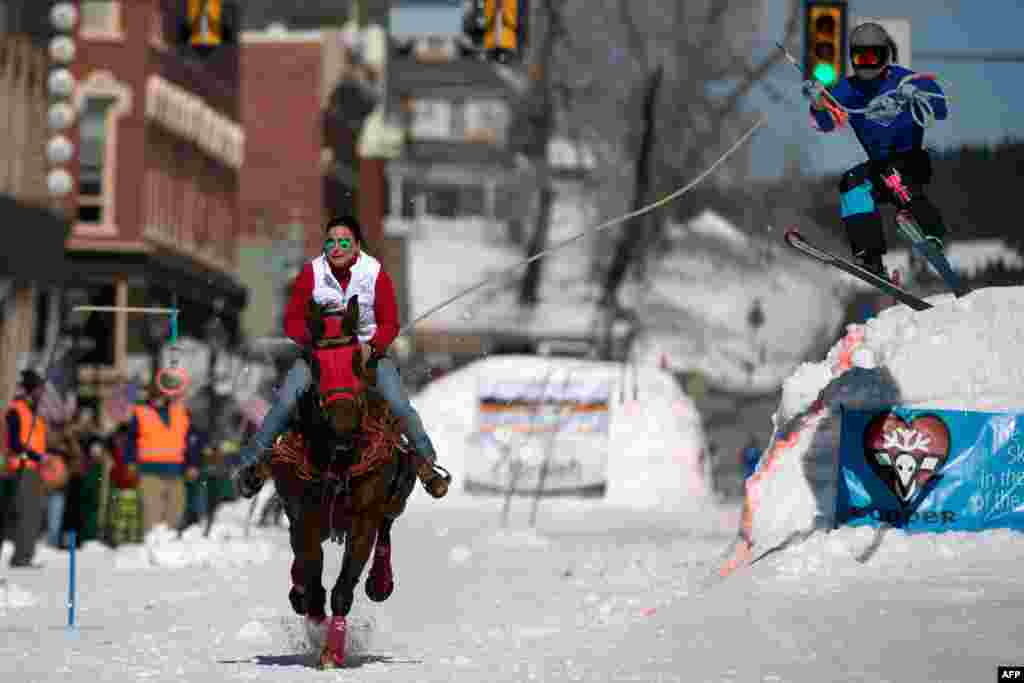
341 271
890 136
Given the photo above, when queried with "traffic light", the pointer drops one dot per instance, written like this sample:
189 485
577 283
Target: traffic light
502 25
206 23
824 40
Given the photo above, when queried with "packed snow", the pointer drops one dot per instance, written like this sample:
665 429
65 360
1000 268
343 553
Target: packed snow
633 588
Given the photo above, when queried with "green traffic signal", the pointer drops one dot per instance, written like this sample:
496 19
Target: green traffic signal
825 73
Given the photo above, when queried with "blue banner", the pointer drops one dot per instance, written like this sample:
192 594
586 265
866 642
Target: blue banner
931 470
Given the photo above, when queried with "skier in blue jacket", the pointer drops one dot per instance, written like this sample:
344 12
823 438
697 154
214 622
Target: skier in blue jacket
888 107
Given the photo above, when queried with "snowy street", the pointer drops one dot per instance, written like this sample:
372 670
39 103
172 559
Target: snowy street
596 595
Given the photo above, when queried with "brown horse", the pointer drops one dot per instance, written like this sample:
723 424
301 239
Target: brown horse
346 476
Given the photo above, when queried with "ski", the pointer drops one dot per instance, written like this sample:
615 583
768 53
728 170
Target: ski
912 233
796 240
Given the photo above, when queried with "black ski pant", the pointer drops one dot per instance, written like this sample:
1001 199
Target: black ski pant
863 188
24 520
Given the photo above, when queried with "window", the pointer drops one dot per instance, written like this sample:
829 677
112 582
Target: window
94 130
431 119
485 120
101 19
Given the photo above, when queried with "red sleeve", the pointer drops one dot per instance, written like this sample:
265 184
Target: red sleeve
385 310
295 314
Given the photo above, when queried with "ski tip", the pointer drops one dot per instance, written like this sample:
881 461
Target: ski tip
793 234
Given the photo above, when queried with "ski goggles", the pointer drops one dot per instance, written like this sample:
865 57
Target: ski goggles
343 243
869 56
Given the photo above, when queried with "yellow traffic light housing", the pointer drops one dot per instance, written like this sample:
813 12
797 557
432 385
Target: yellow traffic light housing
824 40
206 23
502 28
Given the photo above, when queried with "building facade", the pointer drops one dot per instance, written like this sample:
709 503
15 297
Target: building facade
31 263
161 148
281 183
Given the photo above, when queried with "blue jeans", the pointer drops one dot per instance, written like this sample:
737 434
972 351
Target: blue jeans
54 517
297 381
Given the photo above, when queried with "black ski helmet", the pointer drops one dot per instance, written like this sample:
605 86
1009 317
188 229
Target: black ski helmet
872 35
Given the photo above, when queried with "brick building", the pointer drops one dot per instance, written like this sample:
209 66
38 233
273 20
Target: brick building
281 185
160 152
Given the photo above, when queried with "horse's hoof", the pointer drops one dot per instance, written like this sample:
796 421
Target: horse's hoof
333 654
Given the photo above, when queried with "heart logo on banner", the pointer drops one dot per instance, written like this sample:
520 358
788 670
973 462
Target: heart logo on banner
906 455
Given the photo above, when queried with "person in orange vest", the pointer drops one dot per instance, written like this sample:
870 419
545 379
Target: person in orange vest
157 448
26 451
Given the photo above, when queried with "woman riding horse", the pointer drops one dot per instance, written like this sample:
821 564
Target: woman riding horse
346 474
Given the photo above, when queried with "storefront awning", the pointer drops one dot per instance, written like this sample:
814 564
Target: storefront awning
34 246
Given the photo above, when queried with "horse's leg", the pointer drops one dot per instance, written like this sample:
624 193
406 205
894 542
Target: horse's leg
358 544
308 595
380 583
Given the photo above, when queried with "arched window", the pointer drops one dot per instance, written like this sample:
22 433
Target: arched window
101 101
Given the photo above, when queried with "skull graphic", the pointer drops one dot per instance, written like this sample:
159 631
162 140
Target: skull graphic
906 456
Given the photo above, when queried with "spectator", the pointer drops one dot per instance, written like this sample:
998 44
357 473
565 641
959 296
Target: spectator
158 449
26 450
195 489
63 458
122 521
219 486
81 510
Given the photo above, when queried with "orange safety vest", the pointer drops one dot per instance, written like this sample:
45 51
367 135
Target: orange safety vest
159 442
33 437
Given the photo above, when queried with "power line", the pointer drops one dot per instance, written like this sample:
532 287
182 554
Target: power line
971 55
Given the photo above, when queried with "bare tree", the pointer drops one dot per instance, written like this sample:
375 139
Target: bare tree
638 75
533 122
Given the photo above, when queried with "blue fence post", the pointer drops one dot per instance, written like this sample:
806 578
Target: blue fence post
72 543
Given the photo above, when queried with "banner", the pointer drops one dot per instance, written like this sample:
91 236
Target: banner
931 470
545 437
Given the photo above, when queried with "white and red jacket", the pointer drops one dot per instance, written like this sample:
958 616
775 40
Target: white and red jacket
378 309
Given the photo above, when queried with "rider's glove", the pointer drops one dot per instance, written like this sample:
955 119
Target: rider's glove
813 90
908 91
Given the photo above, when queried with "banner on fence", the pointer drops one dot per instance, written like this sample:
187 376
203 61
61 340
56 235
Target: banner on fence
931 470
547 436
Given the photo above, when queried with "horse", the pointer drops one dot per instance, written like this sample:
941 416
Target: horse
346 474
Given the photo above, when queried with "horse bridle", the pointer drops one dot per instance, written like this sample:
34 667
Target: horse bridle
331 343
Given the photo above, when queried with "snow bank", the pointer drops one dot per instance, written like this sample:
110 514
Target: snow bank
228 546
656 440
963 354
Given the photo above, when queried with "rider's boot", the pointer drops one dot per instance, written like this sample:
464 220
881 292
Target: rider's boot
872 260
249 479
434 478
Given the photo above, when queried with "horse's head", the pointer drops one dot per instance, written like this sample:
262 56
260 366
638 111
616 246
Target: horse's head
341 375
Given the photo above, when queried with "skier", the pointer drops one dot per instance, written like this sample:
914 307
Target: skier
889 107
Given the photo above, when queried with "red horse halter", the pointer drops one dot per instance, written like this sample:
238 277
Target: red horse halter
336 357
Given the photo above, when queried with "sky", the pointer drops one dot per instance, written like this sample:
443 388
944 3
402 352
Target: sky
629 588
985 106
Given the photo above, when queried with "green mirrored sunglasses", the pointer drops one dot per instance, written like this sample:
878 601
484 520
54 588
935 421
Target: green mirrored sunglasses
343 243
